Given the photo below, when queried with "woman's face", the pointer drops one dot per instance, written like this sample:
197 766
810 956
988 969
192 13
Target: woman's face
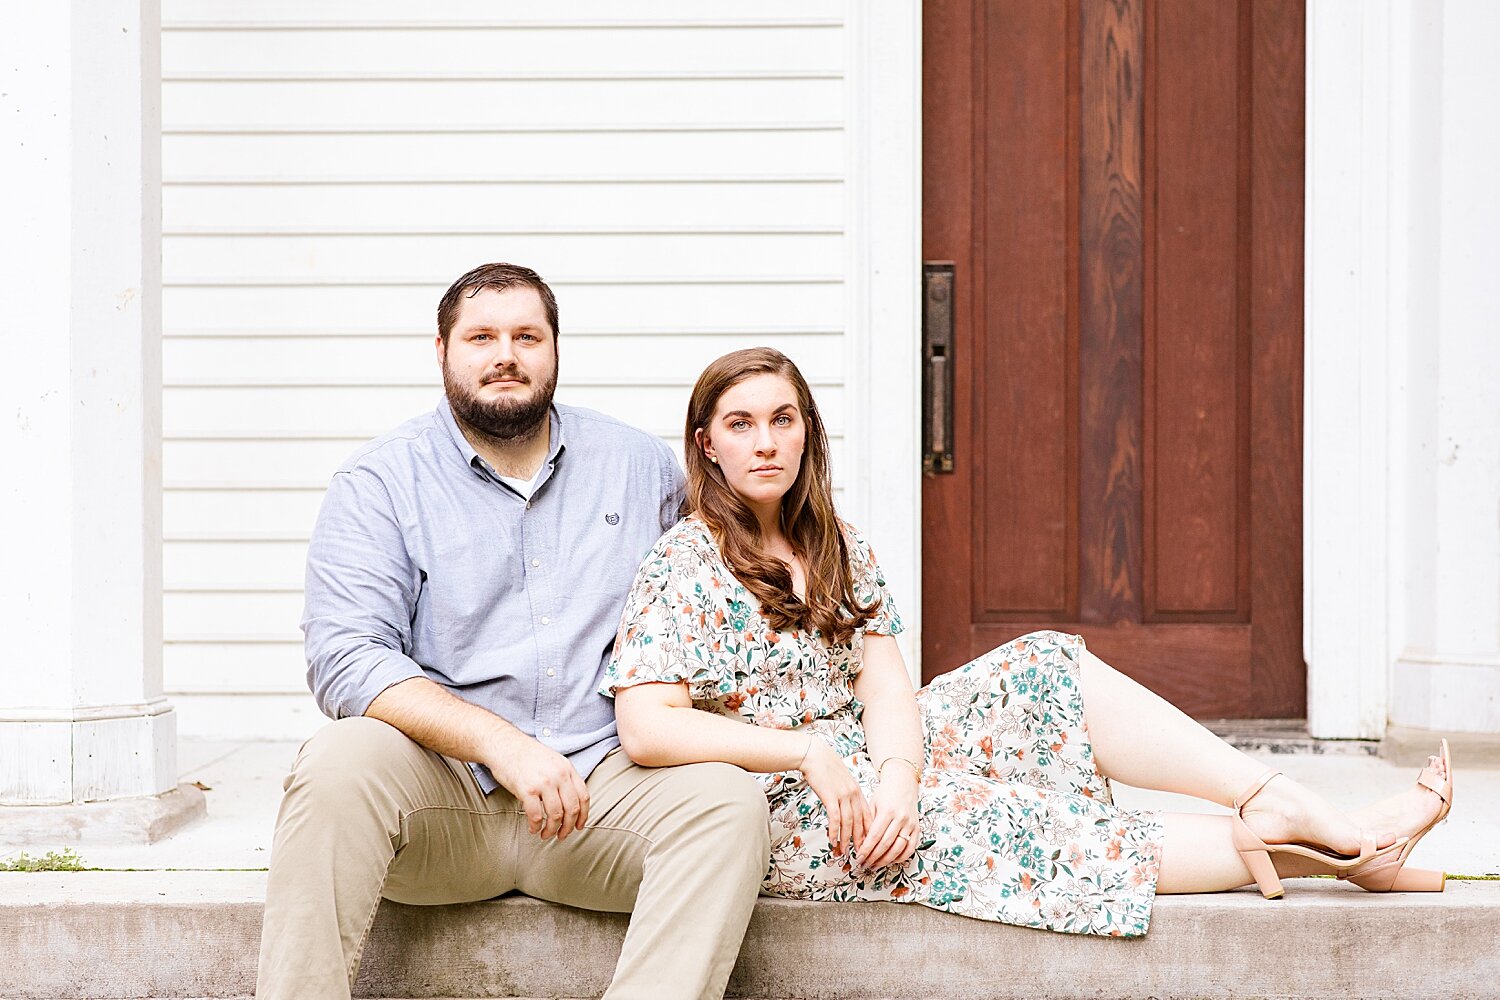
756 435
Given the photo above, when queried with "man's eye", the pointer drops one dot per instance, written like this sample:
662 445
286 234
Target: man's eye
530 337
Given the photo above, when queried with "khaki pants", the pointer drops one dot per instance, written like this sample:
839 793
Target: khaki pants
369 813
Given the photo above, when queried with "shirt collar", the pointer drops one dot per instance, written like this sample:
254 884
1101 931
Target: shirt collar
470 456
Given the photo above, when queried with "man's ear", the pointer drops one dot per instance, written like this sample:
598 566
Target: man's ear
442 349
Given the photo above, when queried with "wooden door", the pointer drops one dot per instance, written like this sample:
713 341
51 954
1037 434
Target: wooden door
1118 184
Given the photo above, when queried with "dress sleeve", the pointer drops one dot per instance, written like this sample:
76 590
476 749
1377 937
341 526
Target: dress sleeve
661 636
869 583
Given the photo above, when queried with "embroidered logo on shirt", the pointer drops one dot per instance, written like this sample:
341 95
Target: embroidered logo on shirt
611 518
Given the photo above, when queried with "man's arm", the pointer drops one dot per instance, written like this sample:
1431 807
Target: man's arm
549 788
361 596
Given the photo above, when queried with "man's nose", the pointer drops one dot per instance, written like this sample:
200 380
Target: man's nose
504 353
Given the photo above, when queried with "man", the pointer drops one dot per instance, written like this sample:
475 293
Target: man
464 583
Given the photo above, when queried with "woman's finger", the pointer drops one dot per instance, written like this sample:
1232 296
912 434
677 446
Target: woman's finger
888 849
873 832
835 823
861 819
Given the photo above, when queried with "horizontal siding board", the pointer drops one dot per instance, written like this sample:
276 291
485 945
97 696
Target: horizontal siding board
303 258
243 500
734 153
582 102
435 204
186 617
336 409
176 13
491 44
582 356
307 308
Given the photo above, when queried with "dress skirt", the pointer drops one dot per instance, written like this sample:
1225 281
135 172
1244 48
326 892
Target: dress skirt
1017 824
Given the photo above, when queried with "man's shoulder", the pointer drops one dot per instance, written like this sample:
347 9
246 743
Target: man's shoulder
395 450
592 429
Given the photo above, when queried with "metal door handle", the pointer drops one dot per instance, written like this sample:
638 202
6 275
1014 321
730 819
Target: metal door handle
937 366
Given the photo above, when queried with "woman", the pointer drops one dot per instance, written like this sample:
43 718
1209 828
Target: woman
987 792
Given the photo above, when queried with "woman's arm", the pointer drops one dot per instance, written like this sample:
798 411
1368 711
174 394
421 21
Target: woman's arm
893 730
659 728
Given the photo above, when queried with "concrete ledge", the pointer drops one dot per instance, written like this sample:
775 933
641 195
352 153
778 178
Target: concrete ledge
196 934
142 820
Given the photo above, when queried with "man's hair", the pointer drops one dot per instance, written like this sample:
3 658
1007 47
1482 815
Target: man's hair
498 277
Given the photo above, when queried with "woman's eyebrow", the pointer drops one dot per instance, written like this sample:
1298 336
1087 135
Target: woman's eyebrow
746 413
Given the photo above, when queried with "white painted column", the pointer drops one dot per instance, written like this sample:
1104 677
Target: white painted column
1402 432
883 271
82 716
1448 674
1351 283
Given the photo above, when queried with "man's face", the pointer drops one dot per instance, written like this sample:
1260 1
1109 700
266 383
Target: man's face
500 362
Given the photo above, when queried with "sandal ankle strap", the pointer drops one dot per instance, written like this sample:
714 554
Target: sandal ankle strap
1243 799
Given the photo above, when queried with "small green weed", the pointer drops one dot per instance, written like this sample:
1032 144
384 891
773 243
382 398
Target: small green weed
53 861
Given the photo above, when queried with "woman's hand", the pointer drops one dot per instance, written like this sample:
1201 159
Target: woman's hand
894 828
843 799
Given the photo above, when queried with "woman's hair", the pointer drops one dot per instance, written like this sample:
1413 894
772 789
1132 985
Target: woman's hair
807 515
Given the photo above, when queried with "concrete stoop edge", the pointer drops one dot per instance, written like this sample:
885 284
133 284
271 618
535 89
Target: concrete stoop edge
95 935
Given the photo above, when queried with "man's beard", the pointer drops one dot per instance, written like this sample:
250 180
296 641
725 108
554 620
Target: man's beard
502 419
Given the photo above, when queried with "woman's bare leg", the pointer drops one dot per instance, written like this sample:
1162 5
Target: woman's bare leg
1198 855
1143 740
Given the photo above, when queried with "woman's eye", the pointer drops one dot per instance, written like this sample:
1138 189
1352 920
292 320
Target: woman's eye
784 420
739 425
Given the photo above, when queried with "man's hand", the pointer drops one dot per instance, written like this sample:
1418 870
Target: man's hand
548 787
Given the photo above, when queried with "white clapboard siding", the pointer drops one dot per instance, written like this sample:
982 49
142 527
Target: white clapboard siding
677 170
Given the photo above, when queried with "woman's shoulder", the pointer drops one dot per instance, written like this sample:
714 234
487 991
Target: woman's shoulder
687 541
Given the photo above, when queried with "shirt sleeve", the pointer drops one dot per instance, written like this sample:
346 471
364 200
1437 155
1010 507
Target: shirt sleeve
361 593
673 487
662 637
869 584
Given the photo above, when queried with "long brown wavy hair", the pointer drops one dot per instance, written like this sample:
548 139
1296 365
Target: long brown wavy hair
807 515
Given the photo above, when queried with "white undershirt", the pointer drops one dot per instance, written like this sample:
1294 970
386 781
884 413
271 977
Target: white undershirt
525 487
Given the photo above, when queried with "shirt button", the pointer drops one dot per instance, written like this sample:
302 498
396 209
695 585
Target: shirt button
551 672
536 562
528 504
546 620
546 732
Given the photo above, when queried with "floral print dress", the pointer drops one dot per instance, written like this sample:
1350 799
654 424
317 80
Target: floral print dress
1017 824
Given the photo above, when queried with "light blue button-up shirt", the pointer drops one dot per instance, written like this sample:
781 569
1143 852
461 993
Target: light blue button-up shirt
424 564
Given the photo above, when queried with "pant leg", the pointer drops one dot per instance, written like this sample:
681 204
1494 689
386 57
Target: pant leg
685 848
1015 713
367 812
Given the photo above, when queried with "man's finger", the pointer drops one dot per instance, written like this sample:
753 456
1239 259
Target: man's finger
536 812
552 805
569 797
583 800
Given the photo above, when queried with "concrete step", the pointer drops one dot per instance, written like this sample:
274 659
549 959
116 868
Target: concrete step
196 934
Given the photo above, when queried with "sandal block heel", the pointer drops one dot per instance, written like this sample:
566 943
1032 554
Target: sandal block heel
1263 871
1399 878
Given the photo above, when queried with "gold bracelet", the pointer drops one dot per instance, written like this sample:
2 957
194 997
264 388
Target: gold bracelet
915 769
803 759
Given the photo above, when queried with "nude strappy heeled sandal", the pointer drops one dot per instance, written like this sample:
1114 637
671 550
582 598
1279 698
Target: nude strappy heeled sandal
1256 853
1390 874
